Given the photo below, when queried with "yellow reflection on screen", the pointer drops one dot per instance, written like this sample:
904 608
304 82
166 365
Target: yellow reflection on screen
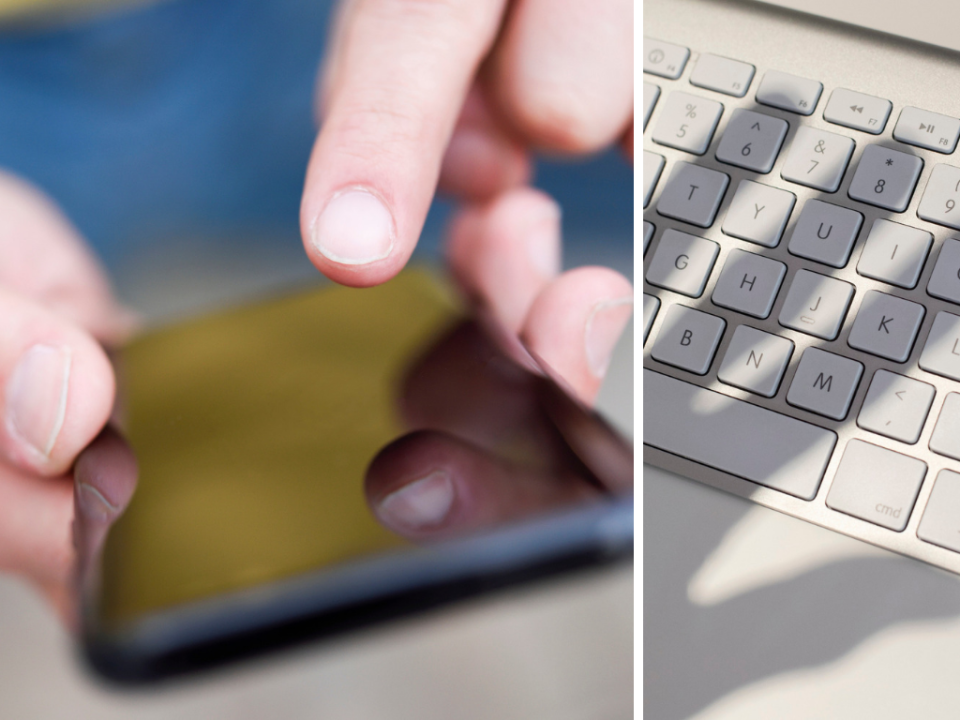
253 430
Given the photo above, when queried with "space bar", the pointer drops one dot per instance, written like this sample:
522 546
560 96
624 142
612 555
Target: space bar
728 434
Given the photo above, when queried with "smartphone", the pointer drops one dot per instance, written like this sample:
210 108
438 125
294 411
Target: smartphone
253 430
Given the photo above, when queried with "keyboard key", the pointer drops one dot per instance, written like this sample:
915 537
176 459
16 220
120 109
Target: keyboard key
941 353
825 383
886 326
663 58
758 213
693 194
940 523
650 306
885 178
687 122
648 229
652 167
752 140
789 92
940 203
945 439
816 304
825 233
682 262
876 485
817 159
688 339
896 406
945 279
650 94
895 253
755 361
749 283
722 432
858 111
926 129
724 75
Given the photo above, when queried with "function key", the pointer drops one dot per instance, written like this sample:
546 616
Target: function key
789 92
858 111
730 77
687 122
650 94
927 130
663 58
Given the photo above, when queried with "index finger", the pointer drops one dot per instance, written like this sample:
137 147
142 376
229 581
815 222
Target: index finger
399 76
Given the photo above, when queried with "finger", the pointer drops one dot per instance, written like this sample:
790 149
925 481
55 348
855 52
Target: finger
35 520
482 159
504 254
43 257
562 73
400 77
428 486
57 387
574 324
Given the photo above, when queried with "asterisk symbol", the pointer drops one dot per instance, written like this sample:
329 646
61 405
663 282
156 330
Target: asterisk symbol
889 161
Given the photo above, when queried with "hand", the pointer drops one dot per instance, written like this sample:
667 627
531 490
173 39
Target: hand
459 91
57 388
500 456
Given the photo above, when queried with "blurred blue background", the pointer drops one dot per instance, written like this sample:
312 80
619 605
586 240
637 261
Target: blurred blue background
192 119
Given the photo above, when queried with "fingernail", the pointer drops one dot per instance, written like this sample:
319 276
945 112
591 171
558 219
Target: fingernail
604 327
419 504
36 397
543 248
354 229
93 504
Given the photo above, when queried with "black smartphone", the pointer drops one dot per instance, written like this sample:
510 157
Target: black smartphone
253 430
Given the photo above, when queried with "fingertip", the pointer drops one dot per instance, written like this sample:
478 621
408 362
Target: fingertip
573 326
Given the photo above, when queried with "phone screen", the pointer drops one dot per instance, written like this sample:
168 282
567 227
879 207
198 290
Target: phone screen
253 430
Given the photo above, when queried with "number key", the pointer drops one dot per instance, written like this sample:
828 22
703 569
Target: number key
752 140
886 178
817 159
687 122
940 197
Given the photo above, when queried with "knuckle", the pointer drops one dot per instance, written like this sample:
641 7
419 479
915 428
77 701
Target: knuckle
561 120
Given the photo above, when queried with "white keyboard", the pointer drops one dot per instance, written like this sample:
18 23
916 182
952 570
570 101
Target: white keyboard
801 308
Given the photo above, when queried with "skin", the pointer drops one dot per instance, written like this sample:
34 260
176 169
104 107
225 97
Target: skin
414 95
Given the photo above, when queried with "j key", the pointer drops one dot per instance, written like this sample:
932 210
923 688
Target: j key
752 140
817 159
816 304
687 122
